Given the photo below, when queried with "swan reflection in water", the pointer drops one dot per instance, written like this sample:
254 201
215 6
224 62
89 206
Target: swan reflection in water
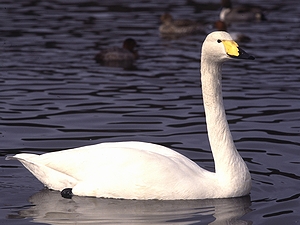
49 207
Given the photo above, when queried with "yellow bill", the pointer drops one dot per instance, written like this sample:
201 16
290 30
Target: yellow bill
232 49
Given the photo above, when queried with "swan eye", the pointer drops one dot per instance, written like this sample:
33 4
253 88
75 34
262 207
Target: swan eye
219 41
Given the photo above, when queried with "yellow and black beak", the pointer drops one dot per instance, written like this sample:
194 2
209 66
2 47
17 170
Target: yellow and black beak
233 50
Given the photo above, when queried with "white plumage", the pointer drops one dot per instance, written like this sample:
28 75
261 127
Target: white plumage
139 170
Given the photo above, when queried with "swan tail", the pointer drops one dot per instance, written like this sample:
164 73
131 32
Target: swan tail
51 178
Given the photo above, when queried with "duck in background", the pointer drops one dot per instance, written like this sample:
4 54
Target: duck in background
199 7
116 56
170 26
236 36
241 13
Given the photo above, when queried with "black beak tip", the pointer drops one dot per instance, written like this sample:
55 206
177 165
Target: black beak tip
244 55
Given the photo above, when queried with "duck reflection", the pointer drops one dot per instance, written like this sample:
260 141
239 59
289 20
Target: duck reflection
49 207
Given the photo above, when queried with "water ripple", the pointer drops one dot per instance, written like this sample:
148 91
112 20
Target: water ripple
54 96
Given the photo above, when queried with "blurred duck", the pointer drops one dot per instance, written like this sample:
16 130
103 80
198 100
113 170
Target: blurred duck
240 13
199 7
114 54
236 36
179 27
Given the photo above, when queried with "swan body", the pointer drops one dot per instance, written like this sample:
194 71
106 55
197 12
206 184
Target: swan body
139 170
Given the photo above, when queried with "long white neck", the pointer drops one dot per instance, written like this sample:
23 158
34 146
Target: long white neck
227 160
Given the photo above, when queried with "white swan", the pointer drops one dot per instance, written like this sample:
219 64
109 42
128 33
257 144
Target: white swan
138 170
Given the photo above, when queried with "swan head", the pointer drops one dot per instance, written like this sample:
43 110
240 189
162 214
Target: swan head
219 47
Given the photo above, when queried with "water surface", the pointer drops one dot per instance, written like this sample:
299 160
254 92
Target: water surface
53 96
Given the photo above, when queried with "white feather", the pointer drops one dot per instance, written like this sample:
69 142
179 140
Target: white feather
138 170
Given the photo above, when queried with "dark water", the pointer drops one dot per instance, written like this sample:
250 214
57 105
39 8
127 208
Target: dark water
54 96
